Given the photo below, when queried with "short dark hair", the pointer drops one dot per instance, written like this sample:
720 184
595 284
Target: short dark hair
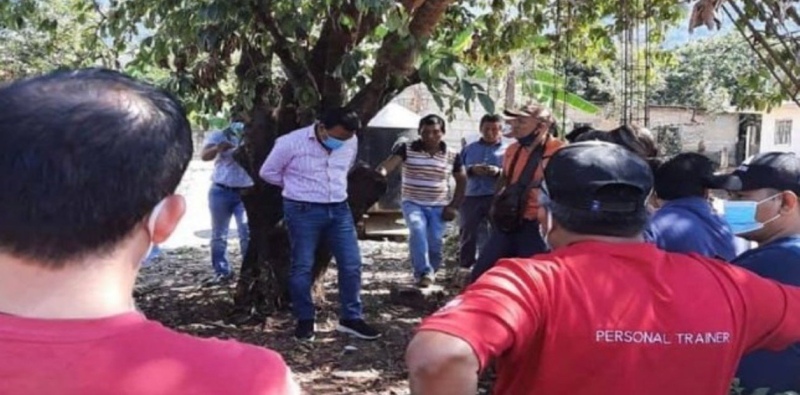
603 223
578 132
432 120
341 116
637 140
490 118
85 156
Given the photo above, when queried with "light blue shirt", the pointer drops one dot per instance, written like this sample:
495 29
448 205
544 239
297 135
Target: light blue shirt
226 171
482 153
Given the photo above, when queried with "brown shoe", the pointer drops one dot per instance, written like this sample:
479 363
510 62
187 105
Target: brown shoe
425 281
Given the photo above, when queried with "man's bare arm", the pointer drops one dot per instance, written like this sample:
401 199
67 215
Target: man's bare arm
441 364
389 165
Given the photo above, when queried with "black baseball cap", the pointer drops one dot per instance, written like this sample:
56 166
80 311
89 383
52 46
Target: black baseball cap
688 174
775 170
580 175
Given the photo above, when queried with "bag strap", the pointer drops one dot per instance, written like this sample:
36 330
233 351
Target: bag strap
526 178
514 160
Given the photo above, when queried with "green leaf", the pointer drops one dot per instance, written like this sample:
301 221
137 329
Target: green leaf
462 41
487 103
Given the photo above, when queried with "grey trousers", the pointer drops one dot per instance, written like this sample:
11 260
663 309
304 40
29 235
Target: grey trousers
473 228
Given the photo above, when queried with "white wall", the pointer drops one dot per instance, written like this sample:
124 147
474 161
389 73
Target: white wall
788 111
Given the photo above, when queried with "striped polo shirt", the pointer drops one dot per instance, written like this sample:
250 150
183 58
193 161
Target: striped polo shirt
426 175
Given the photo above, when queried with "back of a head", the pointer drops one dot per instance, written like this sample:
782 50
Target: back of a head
598 188
637 140
684 175
86 155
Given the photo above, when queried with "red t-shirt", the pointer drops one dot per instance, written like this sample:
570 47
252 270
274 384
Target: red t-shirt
600 318
128 354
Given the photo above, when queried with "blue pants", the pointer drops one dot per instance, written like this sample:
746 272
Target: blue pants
225 203
331 223
426 231
523 243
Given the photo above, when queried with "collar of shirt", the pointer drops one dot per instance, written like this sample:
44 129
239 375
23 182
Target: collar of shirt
481 141
418 145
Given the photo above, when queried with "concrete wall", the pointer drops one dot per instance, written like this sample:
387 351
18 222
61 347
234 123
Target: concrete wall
788 111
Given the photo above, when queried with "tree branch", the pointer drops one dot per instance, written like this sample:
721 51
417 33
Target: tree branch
394 67
334 42
295 68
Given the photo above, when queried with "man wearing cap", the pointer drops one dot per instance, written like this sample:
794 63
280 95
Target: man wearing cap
604 311
515 229
686 222
764 208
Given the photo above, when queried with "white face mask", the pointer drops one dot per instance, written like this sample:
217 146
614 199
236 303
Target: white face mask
151 225
548 227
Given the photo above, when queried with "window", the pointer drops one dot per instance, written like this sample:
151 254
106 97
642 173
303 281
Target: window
783 132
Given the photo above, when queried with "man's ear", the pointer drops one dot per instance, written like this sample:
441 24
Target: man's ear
789 202
168 219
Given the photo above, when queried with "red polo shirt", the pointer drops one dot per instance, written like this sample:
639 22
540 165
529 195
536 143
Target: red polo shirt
596 318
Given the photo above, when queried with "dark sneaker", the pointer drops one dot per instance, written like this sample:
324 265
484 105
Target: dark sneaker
426 280
304 330
219 279
358 328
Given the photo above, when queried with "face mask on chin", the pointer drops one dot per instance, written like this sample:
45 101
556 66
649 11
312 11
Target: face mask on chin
548 227
528 140
332 143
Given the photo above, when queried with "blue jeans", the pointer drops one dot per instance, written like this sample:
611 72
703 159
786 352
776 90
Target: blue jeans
426 232
332 223
225 203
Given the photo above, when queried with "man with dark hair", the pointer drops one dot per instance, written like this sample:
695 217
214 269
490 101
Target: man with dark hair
515 230
483 161
91 160
311 165
224 199
765 208
604 310
685 221
427 164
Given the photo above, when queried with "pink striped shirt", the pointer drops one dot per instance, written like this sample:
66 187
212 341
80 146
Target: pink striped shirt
306 171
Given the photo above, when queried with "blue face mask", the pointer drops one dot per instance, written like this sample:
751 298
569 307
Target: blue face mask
332 143
741 215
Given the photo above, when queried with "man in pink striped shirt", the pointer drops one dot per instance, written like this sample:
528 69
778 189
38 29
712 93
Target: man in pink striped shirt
311 165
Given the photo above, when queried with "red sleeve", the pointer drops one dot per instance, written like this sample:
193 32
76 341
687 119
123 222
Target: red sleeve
772 312
492 313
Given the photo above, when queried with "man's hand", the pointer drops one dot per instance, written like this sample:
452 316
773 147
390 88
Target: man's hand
479 170
449 213
493 171
224 146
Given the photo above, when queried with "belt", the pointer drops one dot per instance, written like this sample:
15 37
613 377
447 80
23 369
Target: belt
228 188
316 203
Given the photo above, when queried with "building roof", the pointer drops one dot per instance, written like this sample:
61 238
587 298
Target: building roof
395 116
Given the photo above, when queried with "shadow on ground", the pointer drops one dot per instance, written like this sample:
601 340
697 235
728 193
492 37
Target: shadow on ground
170 291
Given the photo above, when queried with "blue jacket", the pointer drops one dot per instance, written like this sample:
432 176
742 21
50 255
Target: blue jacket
778 371
690 225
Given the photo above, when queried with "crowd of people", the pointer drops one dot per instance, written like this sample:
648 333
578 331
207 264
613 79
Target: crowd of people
597 266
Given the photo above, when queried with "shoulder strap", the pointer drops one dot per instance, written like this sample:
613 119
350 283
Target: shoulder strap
514 161
526 178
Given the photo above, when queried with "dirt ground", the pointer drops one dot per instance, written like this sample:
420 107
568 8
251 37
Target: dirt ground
170 291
